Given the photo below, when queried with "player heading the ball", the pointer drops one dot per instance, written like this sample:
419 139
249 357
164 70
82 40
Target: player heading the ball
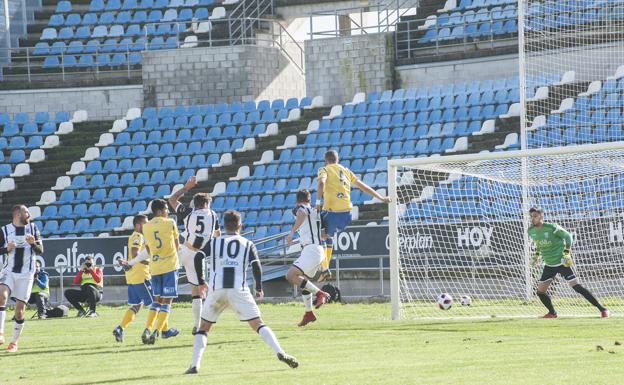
334 189
553 245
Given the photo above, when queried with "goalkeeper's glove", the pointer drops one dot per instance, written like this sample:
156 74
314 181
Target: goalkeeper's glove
566 260
535 258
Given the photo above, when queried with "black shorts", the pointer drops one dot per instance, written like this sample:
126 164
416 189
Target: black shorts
550 272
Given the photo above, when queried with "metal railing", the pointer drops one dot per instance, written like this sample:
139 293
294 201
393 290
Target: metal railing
409 37
386 15
28 64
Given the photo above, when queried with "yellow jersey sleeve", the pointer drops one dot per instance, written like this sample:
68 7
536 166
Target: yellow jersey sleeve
139 272
160 236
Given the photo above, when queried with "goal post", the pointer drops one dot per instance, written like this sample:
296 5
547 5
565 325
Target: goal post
458 225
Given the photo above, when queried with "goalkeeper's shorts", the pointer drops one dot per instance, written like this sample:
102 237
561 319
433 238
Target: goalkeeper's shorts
550 272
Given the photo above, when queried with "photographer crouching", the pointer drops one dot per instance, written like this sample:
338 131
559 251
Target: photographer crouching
91 281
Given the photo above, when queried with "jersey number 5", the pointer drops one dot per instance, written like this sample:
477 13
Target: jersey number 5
160 243
201 224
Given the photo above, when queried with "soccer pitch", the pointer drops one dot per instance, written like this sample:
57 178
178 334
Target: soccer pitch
349 344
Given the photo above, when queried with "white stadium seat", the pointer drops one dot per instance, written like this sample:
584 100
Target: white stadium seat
47 197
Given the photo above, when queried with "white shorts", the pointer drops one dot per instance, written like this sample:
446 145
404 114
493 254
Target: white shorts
310 260
19 284
240 300
187 259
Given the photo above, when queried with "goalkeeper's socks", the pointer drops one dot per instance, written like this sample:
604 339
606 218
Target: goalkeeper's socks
127 318
201 337
196 307
588 296
307 299
545 298
269 337
309 286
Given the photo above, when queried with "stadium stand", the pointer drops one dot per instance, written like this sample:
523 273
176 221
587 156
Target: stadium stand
78 39
158 150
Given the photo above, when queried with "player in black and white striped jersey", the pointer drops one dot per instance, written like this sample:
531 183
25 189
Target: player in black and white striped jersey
308 225
20 241
201 224
231 254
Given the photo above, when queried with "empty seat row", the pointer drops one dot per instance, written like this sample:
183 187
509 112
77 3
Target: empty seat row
115 194
102 31
433 103
249 106
97 209
22 118
127 17
475 86
17 142
469 17
28 129
114 5
84 225
103 60
471 30
107 46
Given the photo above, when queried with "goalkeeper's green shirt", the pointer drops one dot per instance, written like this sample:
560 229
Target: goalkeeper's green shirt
550 239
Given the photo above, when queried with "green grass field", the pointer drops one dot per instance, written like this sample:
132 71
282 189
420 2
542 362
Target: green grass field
349 344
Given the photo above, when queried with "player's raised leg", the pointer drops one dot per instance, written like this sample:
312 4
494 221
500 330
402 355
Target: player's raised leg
308 225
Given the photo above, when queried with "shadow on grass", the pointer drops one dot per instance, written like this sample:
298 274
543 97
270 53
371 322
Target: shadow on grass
161 376
89 350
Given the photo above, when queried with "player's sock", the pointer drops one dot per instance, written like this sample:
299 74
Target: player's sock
309 286
329 249
17 330
127 318
196 306
163 315
267 335
307 299
151 316
588 296
2 318
198 348
545 298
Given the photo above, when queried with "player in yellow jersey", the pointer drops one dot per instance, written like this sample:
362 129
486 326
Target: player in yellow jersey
138 281
334 188
162 243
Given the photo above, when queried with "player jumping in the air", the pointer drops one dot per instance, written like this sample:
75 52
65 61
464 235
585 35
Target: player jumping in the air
231 254
553 245
334 188
201 224
161 241
138 281
308 225
20 240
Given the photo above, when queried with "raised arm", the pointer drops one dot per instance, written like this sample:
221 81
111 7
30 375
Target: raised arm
370 191
175 197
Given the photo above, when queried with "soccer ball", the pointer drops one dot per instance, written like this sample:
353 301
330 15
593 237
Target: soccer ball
445 301
465 300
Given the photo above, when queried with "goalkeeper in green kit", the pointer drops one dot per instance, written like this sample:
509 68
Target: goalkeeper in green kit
553 244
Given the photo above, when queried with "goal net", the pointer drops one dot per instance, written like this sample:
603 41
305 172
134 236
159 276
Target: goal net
458 225
572 67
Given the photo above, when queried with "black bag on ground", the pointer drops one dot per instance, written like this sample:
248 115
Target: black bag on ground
57 312
333 291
